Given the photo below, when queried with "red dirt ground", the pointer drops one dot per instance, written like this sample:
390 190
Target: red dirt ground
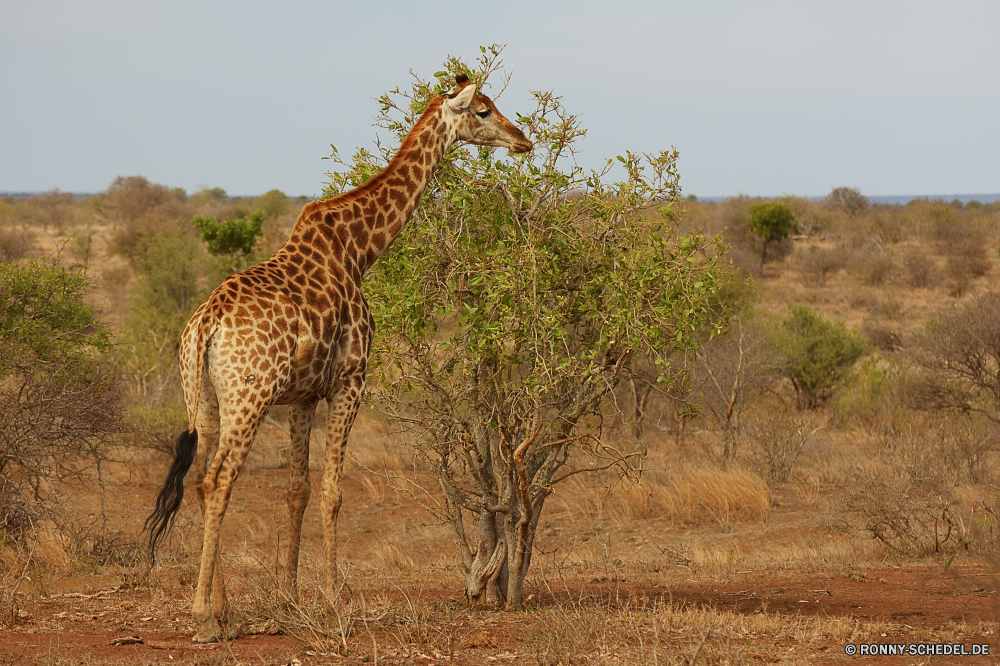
913 599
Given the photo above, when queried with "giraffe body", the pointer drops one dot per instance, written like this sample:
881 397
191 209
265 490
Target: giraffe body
294 330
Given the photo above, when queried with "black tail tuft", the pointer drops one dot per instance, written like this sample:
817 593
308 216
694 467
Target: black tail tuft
169 500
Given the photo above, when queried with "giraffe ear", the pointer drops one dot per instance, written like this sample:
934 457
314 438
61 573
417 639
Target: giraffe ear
463 99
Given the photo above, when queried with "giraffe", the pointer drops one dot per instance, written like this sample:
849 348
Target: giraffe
294 330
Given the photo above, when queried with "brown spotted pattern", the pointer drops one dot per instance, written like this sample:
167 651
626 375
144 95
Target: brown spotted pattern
296 329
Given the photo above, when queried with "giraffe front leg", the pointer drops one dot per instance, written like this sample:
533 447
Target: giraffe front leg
300 418
343 408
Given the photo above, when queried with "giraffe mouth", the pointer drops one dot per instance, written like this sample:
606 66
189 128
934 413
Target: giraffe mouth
521 146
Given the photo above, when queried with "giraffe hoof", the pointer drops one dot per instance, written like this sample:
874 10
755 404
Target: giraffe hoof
205 640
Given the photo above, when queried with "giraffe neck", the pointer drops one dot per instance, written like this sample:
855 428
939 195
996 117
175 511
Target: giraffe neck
370 217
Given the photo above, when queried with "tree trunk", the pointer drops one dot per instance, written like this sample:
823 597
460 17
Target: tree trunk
639 399
489 560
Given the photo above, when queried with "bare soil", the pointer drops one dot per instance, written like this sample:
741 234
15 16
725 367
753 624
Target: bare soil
913 601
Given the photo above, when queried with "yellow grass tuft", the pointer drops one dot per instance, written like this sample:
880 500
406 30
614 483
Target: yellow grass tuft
392 559
722 496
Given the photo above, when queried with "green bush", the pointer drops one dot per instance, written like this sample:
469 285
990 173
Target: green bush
236 237
167 289
820 354
233 241
43 316
513 304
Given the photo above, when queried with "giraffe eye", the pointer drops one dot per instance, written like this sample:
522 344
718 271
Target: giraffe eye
484 114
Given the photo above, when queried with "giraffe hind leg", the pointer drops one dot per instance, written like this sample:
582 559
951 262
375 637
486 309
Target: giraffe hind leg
209 618
221 455
208 421
343 407
300 419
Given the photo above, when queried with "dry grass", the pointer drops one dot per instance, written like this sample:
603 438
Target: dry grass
694 496
723 497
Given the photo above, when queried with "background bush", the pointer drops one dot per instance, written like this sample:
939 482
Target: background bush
61 405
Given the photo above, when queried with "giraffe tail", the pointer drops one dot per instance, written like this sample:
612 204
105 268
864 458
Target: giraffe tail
169 500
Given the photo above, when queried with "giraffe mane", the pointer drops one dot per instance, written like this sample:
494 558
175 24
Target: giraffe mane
401 153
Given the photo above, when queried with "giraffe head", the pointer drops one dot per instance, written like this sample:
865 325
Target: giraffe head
479 122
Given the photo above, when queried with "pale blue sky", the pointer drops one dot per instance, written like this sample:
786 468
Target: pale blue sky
761 97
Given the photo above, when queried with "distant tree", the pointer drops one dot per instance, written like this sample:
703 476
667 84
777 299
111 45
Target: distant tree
771 221
130 197
819 354
848 199
216 193
272 203
138 208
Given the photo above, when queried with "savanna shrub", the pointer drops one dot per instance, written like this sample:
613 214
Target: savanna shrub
818 263
958 358
522 292
775 437
925 491
60 404
920 269
820 354
881 336
16 242
873 265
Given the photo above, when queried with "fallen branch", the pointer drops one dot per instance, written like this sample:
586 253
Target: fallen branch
79 595
127 640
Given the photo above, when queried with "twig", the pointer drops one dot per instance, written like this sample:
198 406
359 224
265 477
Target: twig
269 419
694 657
17 586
